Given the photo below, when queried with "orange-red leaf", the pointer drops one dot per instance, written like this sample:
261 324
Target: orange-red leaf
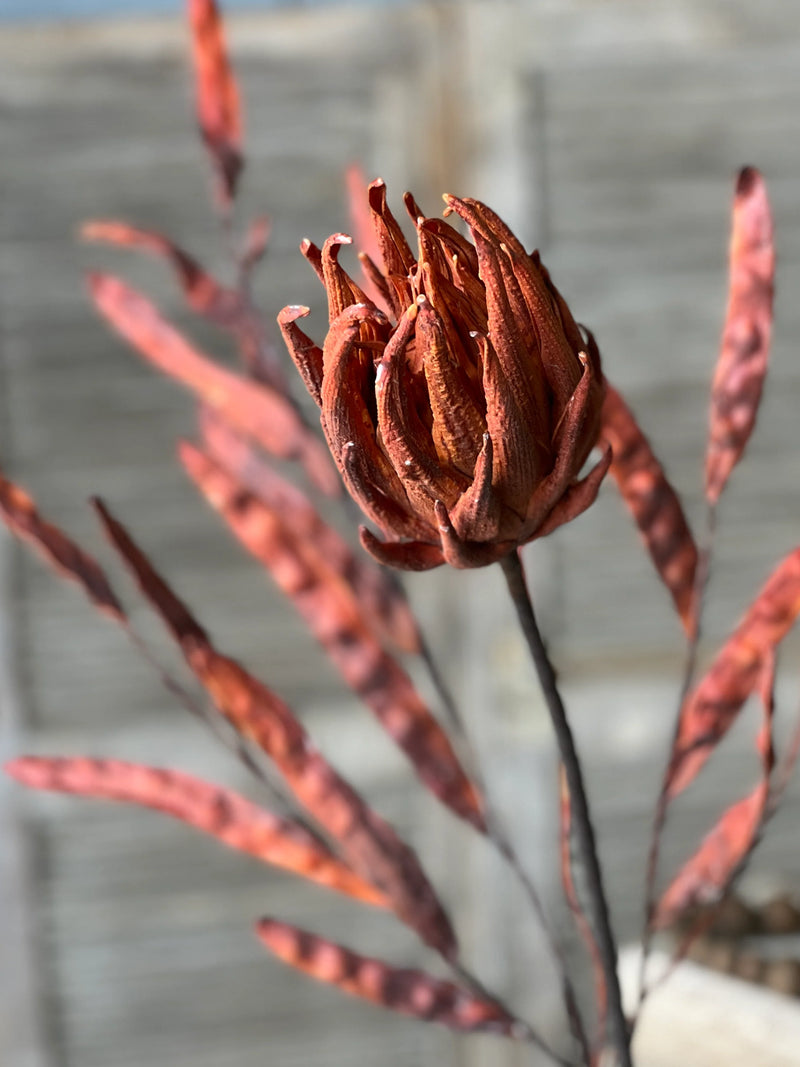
706 876
204 293
711 708
653 502
20 515
219 812
219 111
408 991
380 597
333 615
255 409
744 353
369 844
230 309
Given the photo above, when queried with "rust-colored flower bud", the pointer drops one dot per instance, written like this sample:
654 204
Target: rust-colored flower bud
459 398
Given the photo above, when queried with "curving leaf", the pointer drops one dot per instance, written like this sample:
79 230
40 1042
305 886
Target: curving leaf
255 409
333 614
654 504
369 844
219 112
20 515
219 812
708 874
742 364
379 595
411 992
713 705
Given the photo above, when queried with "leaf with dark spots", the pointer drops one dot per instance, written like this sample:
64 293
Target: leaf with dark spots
709 872
333 614
214 810
379 594
653 503
255 409
712 707
369 844
20 515
744 354
219 113
410 992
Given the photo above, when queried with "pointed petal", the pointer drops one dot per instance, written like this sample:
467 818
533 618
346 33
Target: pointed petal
576 499
458 425
398 260
341 289
476 516
350 430
306 354
404 437
557 357
466 554
567 449
520 455
313 255
405 555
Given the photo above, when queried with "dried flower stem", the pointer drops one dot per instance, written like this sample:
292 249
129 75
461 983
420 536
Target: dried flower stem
584 832
702 574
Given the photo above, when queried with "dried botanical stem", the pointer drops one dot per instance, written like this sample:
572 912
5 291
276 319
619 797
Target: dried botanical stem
659 820
498 837
584 831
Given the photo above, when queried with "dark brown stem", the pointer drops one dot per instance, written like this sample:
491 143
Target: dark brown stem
584 832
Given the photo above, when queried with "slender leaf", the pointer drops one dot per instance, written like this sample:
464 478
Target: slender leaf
333 614
255 409
408 991
219 812
219 112
20 515
742 365
369 844
711 708
654 504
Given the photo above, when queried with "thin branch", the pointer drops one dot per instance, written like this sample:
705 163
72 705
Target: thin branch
701 577
584 832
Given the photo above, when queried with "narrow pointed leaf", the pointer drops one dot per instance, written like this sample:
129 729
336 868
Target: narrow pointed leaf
219 812
380 596
19 513
712 707
333 614
709 872
219 112
744 353
255 409
653 503
410 992
369 844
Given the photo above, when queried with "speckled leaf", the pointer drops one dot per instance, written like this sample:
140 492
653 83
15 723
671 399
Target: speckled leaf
219 112
712 707
744 353
380 596
653 503
333 614
370 846
254 409
722 853
408 991
212 809
19 513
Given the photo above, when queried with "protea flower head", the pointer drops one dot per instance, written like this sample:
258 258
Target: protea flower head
459 398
